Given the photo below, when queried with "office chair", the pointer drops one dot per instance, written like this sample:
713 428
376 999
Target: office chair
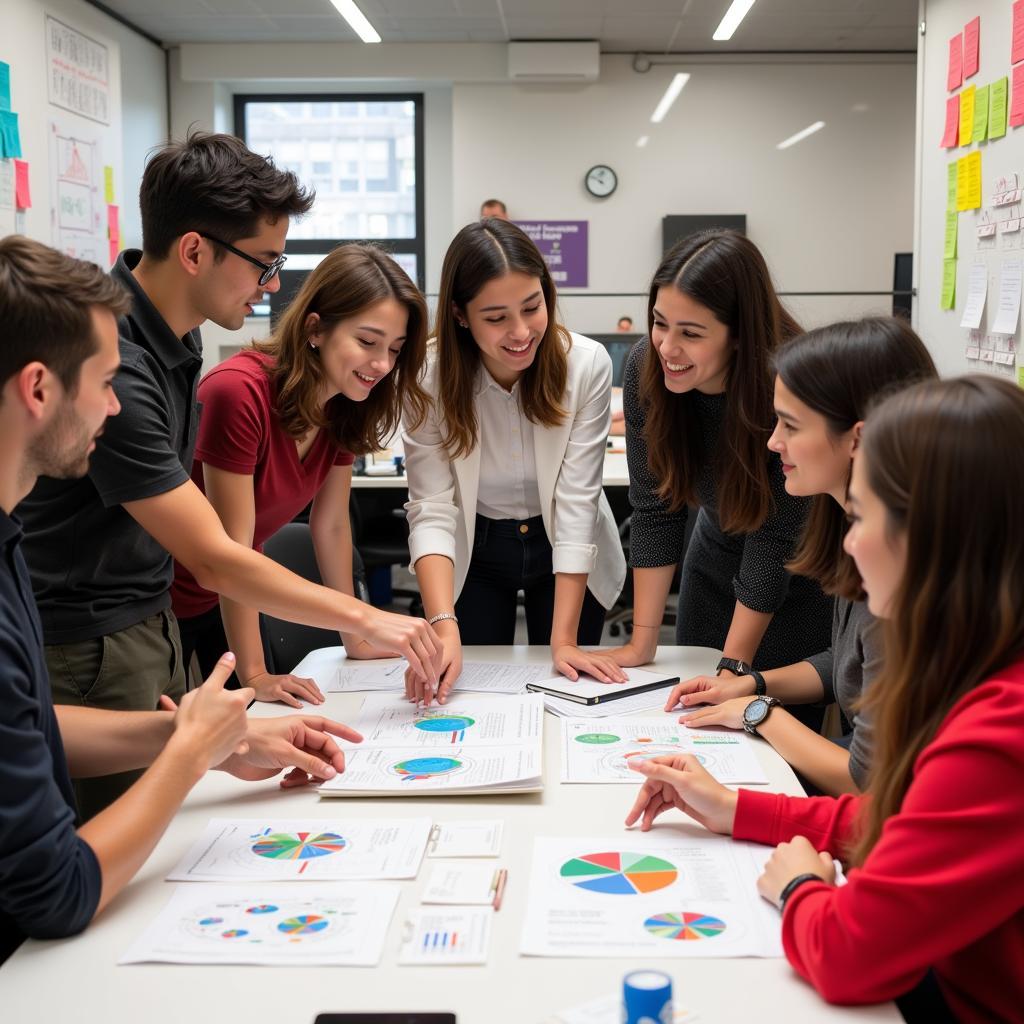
383 541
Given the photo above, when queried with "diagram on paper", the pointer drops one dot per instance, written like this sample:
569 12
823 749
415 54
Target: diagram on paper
277 924
78 210
604 750
672 895
237 849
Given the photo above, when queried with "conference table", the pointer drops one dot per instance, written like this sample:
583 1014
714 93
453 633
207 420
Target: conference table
78 979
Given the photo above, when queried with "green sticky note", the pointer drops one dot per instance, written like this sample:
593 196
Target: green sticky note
1020 376
997 109
951 186
980 113
949 250
5 86
108 184
948 284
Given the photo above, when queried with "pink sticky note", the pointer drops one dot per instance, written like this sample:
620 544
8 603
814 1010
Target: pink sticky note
955 74
112 252
951 134
1017 103
1017 46
113 228
972 37
22 195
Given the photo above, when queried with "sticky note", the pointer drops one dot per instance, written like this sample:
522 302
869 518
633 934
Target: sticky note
113 247
967 116
22 195
1017 44
955 71
980 127
1020 376
949 249
972 36
997 108
113 228
10 137
108 184
951 131
951 186
948 284
1016 103
961 183
5 86
972 199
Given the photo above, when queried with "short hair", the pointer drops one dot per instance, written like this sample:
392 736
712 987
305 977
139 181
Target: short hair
46 302
494 202
628 319
213 184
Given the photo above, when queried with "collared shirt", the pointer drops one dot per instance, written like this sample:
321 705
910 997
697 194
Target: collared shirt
508 464
94 569
49 878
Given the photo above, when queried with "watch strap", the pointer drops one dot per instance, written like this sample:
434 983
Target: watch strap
760 686
793 884
735 665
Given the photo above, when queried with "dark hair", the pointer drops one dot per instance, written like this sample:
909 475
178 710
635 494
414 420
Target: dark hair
348 280
213 184
479 253
840 371
494 202
945 458
46 303
724 271
628 319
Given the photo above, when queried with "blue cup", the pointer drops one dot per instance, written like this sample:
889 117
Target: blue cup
647 998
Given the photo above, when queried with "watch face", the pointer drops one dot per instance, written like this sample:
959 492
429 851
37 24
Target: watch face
601 181
755 711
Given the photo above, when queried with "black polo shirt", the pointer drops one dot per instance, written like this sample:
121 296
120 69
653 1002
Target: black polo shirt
49 878
94 569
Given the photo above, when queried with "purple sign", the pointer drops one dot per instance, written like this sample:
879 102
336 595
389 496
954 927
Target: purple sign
563 244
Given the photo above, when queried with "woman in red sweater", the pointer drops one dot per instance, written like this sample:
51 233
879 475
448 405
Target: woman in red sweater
933 913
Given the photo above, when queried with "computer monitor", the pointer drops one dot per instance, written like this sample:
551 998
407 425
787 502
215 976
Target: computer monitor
618 346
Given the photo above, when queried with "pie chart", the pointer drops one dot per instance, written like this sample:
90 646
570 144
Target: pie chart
684 926
303 924
418 768
619 874
597 737
298 845
445 723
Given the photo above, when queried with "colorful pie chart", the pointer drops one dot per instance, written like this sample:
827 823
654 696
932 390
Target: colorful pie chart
303 924
445 723
417 768
619 874
298 845
684 926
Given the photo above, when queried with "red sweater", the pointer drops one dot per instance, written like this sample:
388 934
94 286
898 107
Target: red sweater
944 885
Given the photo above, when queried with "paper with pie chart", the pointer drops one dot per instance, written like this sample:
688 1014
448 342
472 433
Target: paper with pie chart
601 751
332 924
306 850
683 893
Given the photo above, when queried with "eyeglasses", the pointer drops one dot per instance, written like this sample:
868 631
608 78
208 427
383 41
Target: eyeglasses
269 270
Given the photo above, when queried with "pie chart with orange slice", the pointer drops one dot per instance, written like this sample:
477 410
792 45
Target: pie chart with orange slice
619 874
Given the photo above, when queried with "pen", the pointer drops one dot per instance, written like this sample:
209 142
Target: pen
499 889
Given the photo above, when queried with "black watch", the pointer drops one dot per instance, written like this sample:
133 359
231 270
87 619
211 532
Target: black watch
736 666
760 686
757 711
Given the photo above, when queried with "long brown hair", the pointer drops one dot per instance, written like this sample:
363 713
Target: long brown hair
839 371
945 458
479 253
724 271
348 280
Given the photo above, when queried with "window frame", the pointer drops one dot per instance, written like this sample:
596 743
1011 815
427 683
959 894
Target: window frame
416 246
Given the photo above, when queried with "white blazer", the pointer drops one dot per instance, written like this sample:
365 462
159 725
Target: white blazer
570 466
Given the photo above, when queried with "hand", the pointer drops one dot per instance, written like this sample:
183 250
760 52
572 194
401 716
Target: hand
299 742
679 780
286 688
211 721
797 857
709 690
414 639
418 689
570 661
640 650
728 714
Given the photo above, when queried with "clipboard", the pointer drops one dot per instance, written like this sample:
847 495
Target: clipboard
591 692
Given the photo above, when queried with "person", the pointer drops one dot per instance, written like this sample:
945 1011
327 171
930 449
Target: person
825 382
505 470
57 363
698 404
625 325
493 208
934 506
99 548
281 423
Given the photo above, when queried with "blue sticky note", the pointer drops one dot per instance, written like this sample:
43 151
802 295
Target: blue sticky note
5 86
10 137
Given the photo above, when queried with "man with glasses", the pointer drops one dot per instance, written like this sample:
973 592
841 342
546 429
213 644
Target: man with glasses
100 549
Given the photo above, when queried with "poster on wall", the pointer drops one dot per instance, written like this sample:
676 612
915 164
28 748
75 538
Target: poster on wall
563 244
78 210
78 72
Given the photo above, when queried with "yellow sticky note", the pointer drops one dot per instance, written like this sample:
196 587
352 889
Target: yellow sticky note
961 183
997 109
973 196
1020 376
108 184
949 249
951 186
948 284
967 116
980 127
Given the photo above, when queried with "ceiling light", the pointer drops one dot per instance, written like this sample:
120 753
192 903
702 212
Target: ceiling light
736 13
357 20
801 135
675 87
642 141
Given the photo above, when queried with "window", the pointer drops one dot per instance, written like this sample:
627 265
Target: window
364 156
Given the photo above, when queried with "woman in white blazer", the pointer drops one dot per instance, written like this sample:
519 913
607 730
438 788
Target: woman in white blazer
505 469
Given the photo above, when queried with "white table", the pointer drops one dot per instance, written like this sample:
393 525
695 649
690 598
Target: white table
77 979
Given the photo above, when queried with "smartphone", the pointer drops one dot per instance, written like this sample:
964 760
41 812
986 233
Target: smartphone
385 1018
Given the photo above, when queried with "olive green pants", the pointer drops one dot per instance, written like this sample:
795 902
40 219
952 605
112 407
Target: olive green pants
124 671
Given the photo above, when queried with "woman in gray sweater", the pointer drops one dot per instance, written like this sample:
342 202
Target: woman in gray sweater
826 380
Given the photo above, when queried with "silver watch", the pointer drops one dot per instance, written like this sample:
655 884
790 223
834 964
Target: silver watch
757 711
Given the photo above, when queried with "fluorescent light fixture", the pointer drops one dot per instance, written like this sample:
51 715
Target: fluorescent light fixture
801 135
357 20
675 87
736 13
642 141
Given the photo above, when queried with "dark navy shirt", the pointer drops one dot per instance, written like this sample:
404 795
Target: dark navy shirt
49 878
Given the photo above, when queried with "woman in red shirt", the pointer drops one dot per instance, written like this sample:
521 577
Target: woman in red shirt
280 425
933 912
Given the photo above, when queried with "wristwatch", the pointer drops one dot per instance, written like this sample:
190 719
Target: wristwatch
757 711
760 686
736 666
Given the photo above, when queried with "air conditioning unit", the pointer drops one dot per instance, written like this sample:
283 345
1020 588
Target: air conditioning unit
554 62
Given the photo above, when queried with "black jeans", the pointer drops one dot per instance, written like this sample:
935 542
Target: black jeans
510 555
204 636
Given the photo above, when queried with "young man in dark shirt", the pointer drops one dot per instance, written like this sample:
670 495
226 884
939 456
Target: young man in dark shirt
100 549
57 361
